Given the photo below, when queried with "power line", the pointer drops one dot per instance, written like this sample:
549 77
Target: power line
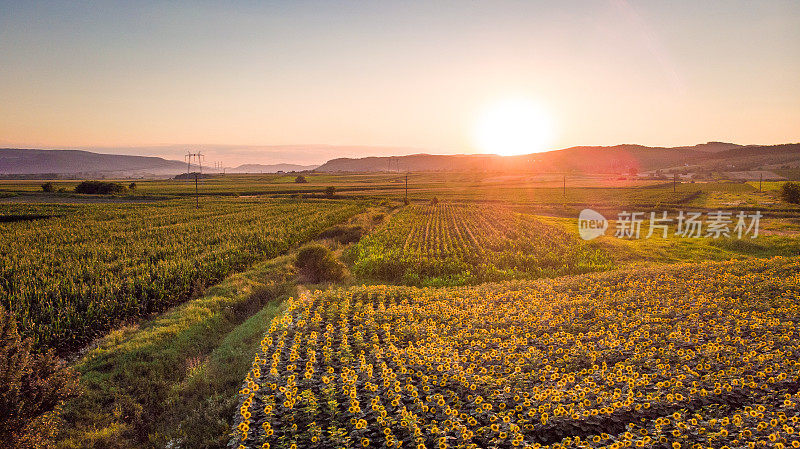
189 158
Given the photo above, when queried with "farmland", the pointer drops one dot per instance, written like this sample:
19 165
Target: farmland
695 354
72 271
462 244
544 191
475 292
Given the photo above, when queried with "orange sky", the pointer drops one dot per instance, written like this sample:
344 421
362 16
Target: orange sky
152 79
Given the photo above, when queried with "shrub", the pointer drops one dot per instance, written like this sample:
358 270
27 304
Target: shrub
330 191
317 263
790 192
99 187
48 187
343 234
300 179
132 186
32 388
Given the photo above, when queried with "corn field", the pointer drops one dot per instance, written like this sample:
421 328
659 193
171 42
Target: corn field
73 271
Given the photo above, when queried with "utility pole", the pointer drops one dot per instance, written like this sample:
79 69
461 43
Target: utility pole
760 178
196 179
406 187
674 181
565 185
189 157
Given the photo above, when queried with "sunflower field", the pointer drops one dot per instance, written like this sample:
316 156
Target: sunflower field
69 272
702 355
457 244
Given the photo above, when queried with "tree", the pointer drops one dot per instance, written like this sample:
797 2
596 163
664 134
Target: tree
48 187
330 191
790 192
300 179
99 187
32 388
132 186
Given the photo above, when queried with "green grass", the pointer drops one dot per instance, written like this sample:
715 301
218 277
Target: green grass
200 407
777 237
145 386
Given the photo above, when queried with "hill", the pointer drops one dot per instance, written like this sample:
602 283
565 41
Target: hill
589 159
711 156
14 161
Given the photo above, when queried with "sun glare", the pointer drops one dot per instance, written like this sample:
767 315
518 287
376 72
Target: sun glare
514 126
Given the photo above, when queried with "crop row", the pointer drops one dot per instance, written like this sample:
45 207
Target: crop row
68 277
701 355
450 244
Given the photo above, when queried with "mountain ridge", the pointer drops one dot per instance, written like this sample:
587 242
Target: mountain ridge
710 156
18 161
590 159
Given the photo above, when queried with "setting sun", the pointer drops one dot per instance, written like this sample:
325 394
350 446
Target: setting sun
514 126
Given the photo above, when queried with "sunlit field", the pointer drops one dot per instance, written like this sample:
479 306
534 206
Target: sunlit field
695 354
160 299
399 224
545 190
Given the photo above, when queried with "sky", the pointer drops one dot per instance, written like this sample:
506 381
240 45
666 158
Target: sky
297 81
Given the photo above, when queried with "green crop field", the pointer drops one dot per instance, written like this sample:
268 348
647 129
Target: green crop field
70 272
461 244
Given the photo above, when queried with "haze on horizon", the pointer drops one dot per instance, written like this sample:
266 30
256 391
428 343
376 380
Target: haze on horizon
250 80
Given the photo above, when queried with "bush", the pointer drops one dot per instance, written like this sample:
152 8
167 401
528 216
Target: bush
32 388
790 192
132 186
300 179
48 187
330 191
317 263
343 234
99 187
